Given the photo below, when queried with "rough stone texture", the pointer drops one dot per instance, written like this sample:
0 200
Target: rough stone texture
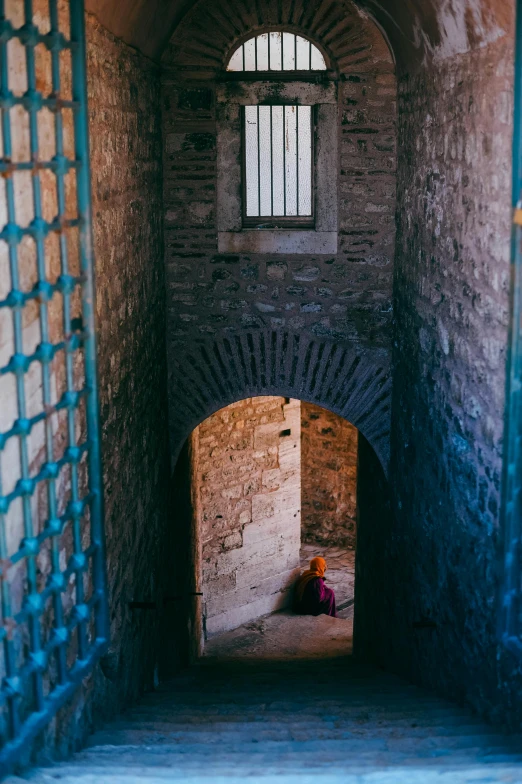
248 479
126 169
451 305
419 30
247 324
328 478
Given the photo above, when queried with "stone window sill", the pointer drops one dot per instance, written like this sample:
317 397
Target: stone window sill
288 241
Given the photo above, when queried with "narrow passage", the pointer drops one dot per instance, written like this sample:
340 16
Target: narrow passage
278 701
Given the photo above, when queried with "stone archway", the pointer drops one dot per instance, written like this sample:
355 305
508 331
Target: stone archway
304 325
213 374
234 501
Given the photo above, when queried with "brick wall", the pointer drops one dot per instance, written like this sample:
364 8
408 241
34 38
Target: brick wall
249 324
328 478
247 473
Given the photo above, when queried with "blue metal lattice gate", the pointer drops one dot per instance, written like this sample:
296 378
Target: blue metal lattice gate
511 608
53 596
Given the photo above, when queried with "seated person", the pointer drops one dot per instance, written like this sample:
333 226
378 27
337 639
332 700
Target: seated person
311 596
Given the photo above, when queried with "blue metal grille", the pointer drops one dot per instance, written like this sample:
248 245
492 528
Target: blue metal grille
53 621
511 615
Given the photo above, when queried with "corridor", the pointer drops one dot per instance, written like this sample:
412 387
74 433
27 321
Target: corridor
292 709
260 297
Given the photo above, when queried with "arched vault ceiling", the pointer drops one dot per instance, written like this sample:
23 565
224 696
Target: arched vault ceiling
416 29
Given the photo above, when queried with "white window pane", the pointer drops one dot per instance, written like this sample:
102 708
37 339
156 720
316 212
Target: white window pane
262 52
264 160
291 159
236 61
288 52
303 54
277 161
275 51
251 158
250 54
318 63
305 159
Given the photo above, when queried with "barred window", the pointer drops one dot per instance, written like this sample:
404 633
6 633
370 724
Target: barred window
277 166
277 51
277 117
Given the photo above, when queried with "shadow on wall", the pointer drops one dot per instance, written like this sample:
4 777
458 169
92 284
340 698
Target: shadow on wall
374 588
182 609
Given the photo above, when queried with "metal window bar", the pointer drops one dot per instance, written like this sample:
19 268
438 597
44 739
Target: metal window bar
271 160
284 160
284 156
32 688
242 60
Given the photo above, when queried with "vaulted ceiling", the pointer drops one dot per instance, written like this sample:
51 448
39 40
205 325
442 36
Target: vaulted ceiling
417 29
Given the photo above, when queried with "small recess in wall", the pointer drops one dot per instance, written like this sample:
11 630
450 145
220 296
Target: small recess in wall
285 433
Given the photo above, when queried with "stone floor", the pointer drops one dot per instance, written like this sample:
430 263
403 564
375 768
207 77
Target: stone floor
340 575
279 701
282 637
326 721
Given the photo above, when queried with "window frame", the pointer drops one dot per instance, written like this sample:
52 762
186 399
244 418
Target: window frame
233 236
281 221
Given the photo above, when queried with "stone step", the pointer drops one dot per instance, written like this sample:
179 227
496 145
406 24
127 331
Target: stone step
354 753
358 740
492 774
288 712
374 767
334 722
447 725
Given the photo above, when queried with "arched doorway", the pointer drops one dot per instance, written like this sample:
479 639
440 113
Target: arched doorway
260 487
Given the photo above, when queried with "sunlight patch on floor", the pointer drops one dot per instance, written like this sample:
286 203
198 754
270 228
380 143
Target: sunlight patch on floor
285 636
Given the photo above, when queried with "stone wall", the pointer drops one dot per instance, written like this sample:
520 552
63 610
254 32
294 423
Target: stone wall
247 474
297 325
125 137
125 158
451 306
328 478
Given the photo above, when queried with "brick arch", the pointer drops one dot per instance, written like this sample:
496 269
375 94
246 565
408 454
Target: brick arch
218 372
208 33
